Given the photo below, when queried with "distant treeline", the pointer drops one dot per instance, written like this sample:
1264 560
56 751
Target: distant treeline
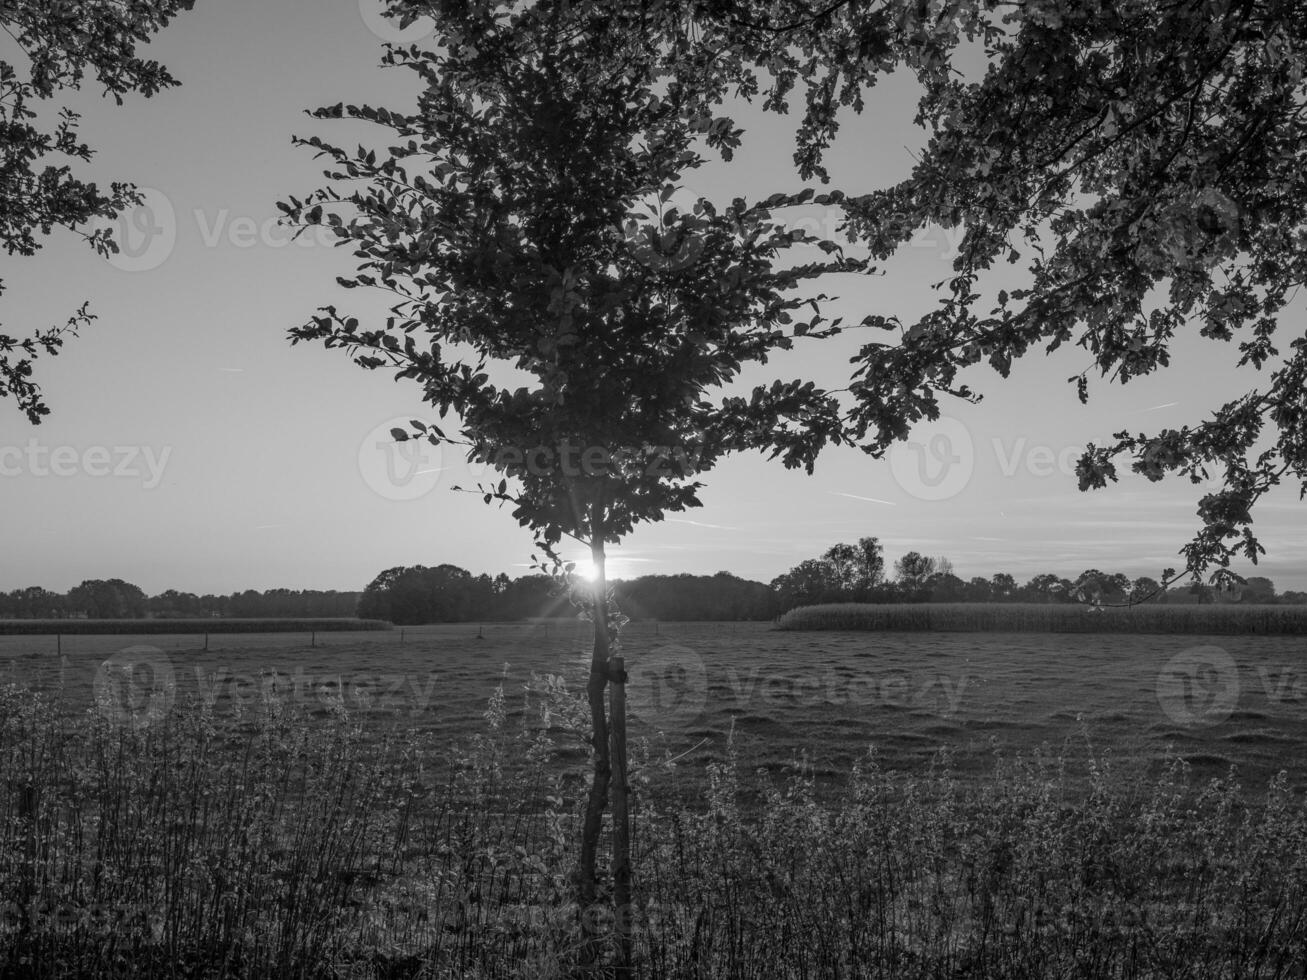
448 594
155 627
116 599
856 573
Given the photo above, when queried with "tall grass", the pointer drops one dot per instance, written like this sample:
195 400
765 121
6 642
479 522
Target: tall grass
294 846
1019 617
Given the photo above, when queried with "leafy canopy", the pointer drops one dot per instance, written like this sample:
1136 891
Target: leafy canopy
1142 163
62 43
523 218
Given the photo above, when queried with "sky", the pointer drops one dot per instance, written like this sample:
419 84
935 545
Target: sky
192 447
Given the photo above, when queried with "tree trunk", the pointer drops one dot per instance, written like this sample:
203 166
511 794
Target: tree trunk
621 821
598 798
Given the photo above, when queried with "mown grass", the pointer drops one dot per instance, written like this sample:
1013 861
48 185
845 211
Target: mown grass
279 845
144 627
1018 617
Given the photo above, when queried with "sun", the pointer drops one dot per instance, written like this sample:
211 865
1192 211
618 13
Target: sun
585 569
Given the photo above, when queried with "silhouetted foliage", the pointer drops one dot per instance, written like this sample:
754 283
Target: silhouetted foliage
62 44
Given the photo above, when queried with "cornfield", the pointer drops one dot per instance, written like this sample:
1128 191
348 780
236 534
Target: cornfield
1050 618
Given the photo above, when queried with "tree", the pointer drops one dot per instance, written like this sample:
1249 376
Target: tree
521 217
63 43
1002 586
1100 588
416 595
858 568
843 562
811 581
1142 164
1046 588
872 559
979 590
913 569
34 602
1144 589
107 599
1258 589
946 587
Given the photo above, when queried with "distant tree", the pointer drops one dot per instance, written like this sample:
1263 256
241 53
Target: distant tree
33 602
943 566
946 587
872 558
1046 588
845 567
1258 589
410 596
858 568
108 599
1002 587
172 604
528 596
913 569
61 43
250 604
1144 589
718 597
979 590
1101 588
809 582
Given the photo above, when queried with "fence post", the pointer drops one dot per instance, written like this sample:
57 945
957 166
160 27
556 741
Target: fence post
621 815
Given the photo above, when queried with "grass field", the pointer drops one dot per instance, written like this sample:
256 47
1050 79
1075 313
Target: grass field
829 695
378 806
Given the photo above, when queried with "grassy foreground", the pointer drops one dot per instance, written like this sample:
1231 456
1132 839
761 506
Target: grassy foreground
1019 617
278 845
